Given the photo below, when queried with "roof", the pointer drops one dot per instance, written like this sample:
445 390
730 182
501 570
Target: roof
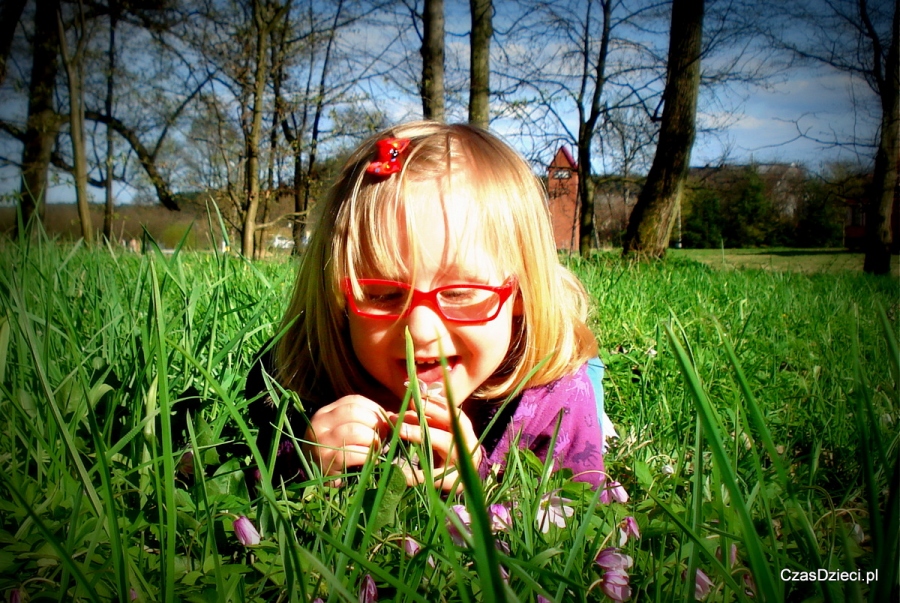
563 159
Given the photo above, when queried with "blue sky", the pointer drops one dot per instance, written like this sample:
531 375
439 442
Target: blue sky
757 124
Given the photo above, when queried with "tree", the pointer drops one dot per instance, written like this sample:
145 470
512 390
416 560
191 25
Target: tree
74 67
480 63
43 122
559 70
432 89
10 13
650 225
862 40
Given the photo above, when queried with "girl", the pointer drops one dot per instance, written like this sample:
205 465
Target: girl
441 231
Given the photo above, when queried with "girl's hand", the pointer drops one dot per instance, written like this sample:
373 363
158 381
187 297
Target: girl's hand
344 434
440 436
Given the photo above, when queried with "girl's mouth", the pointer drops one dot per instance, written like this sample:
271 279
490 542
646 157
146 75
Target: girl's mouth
430 370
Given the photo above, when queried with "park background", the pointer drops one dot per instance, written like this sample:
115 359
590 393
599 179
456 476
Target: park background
757 408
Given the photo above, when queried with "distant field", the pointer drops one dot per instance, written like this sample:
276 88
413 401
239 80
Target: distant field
796 260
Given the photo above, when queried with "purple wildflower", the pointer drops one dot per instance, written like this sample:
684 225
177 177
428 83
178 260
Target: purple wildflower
702 585
628 528
733 558
502 546
615 585
15 596
459 538
501 520
410 546
246 532
186 464
617 492
133 593
543 599
613 559
553 509
368 592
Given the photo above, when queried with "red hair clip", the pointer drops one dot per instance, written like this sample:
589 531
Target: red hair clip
388 160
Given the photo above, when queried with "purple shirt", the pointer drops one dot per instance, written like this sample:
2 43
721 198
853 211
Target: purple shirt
579 443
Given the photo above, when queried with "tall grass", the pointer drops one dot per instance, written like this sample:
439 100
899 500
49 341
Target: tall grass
758 411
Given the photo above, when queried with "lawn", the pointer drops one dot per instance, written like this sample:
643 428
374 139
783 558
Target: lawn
782 259
758 414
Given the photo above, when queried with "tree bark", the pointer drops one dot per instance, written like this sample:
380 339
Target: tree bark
650 225
884 191
42 124
433 60
480 62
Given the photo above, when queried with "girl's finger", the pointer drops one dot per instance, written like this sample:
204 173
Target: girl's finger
441 441
446 480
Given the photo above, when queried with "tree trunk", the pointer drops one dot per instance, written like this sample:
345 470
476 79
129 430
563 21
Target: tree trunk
884 190
650 225
10 13
72 65
433 60
480 62
587 121
110 143
254 134
42 123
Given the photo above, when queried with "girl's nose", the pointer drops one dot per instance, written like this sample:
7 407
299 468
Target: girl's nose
425 324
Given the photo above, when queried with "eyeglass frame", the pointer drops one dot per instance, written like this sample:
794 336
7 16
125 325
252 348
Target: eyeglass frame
504 292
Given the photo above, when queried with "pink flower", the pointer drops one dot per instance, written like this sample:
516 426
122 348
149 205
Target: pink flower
15 596
368 592
133 594
613 559
553 509
503 547
615 585
410 546
501 520
702 585
543 599
734 554
246 532
617 492
186 464
459 538
628 528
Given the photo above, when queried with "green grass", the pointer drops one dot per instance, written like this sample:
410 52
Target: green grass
758 409
781 259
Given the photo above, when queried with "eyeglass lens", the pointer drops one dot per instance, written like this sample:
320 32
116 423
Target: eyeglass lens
455 303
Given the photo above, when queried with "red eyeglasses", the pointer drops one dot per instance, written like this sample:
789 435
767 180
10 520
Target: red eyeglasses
379 298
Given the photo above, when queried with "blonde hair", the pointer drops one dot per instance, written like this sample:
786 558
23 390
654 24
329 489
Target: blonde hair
357 233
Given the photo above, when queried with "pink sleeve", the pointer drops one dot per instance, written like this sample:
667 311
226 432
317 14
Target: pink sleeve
579 442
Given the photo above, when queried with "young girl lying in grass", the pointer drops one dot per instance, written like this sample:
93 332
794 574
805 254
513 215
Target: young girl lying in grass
442 231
